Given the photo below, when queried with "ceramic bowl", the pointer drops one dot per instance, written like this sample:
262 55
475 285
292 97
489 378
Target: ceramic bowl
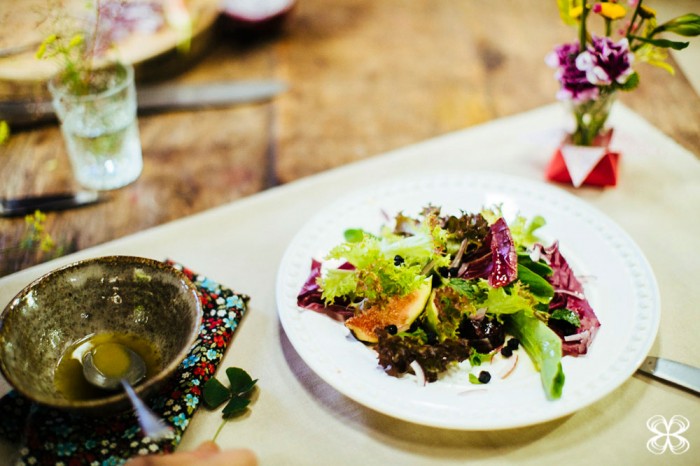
115 294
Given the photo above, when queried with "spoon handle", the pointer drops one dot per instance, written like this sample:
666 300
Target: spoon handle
153 426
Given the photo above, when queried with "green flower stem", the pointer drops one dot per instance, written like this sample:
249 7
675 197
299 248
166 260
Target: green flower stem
583 34
630 28
590 118
218 431
237 395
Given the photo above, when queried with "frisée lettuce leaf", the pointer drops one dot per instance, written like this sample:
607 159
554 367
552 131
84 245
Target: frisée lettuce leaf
383 266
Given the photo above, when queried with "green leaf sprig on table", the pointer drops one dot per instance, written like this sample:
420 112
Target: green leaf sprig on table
36 245
237 394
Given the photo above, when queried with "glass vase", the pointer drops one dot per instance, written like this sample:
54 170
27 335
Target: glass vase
590 118
99 126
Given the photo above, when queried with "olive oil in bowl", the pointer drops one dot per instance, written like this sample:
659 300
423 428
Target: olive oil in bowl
69 379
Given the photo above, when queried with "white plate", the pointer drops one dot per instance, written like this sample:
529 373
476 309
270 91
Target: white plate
620 286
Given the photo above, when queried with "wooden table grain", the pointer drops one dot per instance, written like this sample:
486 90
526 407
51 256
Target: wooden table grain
364 77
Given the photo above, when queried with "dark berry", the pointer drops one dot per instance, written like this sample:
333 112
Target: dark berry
432 338
437 280
513 344
401 366
484 335
391 329
484 377
398 260
506 351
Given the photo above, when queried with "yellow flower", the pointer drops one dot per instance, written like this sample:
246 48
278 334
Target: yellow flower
4 131
36 220
36 233
647 12
44 44
609 10
655 56
565 11
47 243
75 41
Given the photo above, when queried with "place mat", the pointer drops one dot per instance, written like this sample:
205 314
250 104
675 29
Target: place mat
49 436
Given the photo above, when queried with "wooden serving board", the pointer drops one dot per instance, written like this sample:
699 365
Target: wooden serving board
25 23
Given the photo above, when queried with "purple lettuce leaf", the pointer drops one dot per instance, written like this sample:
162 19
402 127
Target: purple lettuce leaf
505 259
495 260
310 296
568 294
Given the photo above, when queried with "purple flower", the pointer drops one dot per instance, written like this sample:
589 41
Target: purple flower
582 74
574 83
605 61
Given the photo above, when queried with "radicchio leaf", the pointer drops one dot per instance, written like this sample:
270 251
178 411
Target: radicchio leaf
568 293
496 259
310 296
505 259
478 264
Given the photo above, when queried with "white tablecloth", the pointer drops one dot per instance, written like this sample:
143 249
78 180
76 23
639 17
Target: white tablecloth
299 419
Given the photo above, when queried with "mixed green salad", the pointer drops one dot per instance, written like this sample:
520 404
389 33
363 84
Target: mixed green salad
434 290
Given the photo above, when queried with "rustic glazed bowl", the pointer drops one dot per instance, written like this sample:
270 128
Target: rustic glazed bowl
121 294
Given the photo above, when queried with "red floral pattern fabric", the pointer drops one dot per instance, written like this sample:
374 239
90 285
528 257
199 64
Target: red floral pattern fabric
49 436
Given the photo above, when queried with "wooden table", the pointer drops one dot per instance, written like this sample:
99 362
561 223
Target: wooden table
364 77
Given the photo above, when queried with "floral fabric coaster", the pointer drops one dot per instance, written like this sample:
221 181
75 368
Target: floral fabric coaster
49 436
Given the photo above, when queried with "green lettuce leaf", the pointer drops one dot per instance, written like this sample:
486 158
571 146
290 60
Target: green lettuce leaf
523 232
540 267
339 283
538 286
566 315
378 273
515 298
544 348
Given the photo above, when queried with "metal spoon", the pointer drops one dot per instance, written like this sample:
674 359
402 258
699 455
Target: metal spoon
152 425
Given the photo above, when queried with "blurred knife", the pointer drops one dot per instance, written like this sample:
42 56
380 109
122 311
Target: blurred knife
674 372
27 205
159 98
178 96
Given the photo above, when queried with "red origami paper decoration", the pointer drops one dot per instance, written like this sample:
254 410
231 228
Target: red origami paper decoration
583 165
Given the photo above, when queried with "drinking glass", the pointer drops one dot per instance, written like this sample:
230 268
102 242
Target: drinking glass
99 125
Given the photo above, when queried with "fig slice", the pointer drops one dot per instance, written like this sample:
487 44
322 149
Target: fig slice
400 311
